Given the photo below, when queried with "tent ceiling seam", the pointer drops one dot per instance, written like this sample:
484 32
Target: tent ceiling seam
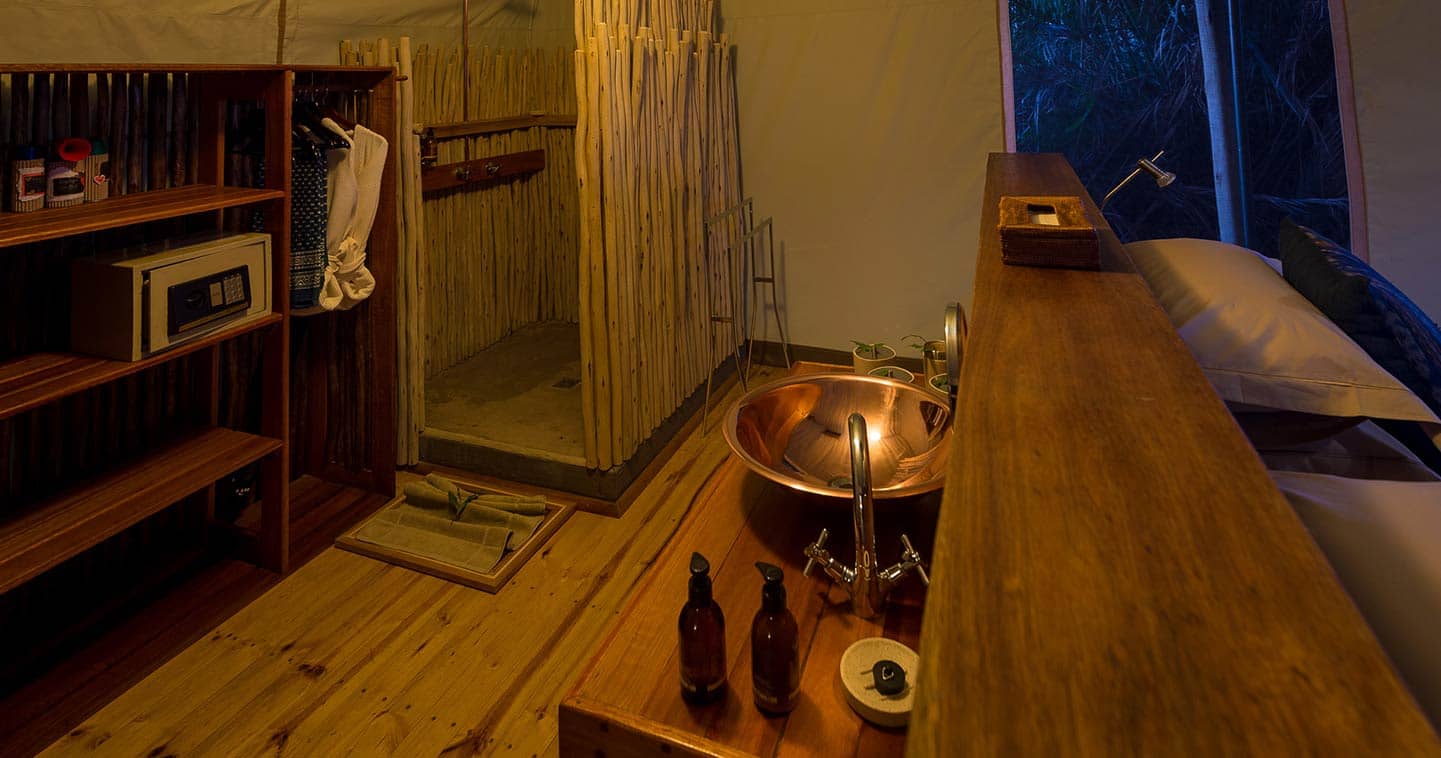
280 15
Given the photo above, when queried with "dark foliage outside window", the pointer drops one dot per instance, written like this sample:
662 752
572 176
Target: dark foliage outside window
1295 162
1108 81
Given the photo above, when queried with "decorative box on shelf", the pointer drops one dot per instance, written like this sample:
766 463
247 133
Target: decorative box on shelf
1053 231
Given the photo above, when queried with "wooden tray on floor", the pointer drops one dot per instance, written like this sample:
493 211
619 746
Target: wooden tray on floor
555 515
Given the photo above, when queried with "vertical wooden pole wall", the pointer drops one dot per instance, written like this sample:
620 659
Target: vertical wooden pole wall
478 263
656 155
410 301
505 255
612 233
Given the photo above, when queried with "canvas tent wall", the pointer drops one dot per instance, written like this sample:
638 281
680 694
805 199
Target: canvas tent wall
261 31
1396 78
865 126
864 123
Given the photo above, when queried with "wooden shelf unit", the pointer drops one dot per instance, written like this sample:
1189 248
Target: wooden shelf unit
35 538
76 521
126 210
354 349
39 379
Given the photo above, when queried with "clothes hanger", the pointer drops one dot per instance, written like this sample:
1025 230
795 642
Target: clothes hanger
306 112
339 118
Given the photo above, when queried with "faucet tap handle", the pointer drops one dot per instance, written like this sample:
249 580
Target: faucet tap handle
814 550
909 555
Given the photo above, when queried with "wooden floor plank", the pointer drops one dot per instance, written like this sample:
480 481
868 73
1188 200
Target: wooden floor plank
525 721
412 665
56 703
175 703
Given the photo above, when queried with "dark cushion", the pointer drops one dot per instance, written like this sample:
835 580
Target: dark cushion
1391 328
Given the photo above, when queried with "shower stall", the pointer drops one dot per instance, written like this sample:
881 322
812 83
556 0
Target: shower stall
567 295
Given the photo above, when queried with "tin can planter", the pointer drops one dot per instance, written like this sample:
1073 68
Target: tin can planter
933 357
866 357
893 372
940 384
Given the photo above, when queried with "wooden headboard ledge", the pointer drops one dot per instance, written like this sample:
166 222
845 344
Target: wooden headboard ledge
1114 572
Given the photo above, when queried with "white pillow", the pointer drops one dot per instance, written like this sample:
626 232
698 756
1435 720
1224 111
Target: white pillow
1384 541
1260 341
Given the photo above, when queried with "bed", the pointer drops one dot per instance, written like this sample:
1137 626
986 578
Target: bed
1334 376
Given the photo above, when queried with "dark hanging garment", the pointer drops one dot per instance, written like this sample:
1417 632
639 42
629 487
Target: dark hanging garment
308 212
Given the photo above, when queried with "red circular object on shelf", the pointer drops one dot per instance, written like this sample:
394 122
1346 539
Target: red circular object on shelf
74 149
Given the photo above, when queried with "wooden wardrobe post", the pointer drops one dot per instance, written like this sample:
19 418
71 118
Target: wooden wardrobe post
275 355
384 260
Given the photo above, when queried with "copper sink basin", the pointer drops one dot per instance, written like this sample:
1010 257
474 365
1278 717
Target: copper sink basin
793 432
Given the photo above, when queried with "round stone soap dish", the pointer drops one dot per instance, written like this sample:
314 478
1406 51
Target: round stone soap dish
859 678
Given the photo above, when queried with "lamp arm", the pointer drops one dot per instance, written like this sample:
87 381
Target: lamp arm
1117 188
1134 172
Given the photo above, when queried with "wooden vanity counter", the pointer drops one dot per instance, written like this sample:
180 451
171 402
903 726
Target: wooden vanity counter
627 701
1114 572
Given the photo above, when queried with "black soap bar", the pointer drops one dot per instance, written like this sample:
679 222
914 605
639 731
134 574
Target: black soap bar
890 677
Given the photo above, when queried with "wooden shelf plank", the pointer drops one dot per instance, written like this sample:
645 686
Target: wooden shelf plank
54 223
46 535
42 378
98 68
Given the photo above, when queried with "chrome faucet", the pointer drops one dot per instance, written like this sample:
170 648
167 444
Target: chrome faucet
868 585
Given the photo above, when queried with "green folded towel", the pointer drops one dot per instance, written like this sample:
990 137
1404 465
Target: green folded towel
438 492
484 515
424 533
422 495
440 520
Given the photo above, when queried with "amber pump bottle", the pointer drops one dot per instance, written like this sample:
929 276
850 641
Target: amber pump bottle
775 648
702 638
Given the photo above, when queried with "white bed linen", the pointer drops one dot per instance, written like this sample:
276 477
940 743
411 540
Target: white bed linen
1260 342
1355 448
1383 538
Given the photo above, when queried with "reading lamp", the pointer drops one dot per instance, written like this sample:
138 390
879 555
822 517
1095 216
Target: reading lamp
1163 177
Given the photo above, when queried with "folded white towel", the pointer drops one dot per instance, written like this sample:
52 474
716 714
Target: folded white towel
354 194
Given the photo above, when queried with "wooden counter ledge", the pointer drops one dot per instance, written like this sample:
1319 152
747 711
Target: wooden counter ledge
627 701
1114 572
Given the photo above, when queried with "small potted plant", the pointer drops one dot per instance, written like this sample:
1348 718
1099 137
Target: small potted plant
871 355
933 354
893 372
940 384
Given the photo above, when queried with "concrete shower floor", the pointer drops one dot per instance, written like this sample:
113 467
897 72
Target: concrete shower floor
521 395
